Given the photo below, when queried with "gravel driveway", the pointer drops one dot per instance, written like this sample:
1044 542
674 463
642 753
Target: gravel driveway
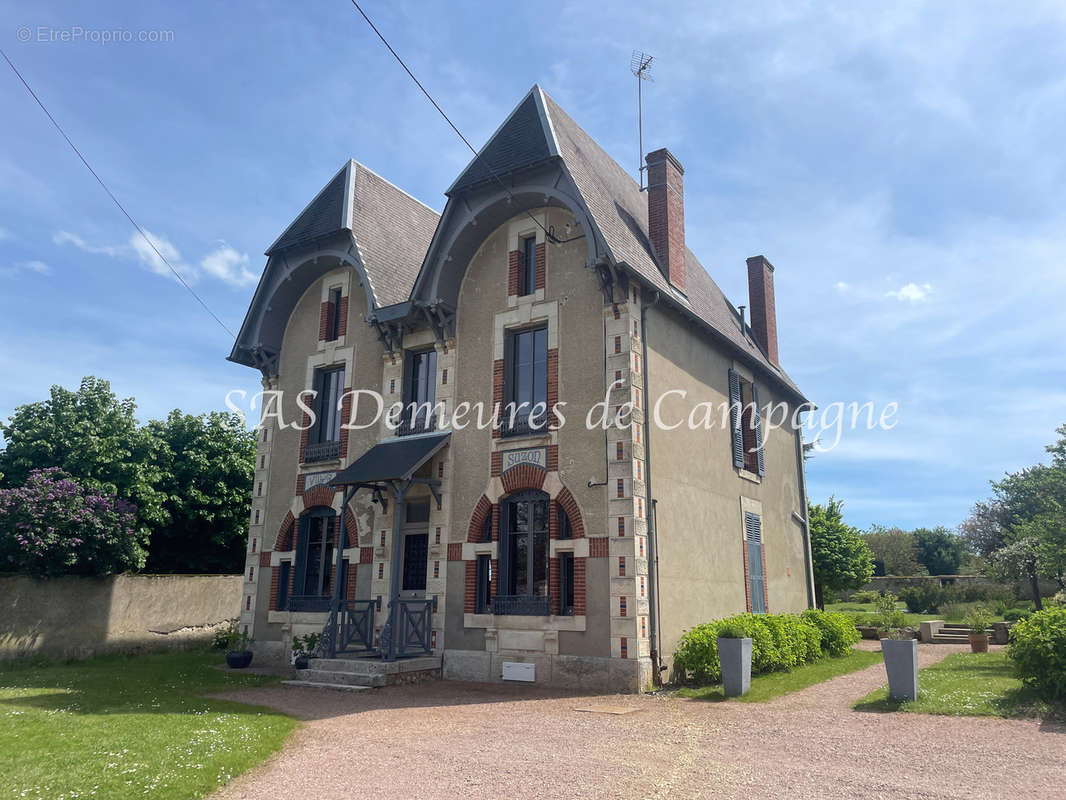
469 741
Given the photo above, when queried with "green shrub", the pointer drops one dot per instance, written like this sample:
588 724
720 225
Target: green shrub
1038 650
1015 614
869 596
979 619
956 612
837 632
778 642
924 599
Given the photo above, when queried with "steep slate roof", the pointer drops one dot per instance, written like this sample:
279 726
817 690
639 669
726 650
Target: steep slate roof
390 228
620 211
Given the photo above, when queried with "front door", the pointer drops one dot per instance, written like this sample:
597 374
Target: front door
415 550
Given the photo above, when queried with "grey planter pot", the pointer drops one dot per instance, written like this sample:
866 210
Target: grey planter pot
735 657
901 664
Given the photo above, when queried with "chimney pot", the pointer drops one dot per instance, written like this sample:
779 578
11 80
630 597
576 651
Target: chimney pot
761 300
666 213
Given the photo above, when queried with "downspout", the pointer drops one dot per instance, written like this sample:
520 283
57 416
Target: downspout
653 560
807 556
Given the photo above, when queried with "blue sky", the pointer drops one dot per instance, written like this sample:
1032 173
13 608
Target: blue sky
902 166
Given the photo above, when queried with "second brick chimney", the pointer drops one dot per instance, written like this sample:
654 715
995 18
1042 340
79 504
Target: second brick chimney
761 299
666 213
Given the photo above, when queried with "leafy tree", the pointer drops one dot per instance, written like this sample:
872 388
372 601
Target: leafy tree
840 556
895 551
52 526
91 436
206 466
1022 528
939 550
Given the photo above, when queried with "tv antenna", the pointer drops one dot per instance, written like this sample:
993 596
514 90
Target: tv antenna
640 65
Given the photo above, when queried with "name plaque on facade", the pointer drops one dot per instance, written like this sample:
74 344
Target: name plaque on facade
313 479
534 456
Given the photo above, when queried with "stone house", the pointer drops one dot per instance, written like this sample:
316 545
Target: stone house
539 548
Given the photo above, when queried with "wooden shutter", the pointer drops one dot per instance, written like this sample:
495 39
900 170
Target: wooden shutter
283 586
734 419
758 429
756 578
300 565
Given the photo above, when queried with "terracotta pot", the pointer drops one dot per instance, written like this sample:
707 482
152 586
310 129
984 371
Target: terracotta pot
979 642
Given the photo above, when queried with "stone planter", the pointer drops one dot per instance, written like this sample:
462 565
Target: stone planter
978 642
239 659
735 658
901 664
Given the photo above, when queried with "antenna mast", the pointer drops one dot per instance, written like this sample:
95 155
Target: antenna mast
640 65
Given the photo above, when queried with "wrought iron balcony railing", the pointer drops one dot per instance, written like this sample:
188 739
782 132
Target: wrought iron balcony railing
420 423
321 451
522 604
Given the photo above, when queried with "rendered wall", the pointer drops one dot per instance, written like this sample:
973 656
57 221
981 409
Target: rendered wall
73 617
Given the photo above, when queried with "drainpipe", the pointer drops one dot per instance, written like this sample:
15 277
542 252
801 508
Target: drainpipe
653 560
807 557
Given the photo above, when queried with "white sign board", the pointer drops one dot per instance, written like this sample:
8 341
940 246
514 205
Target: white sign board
536 456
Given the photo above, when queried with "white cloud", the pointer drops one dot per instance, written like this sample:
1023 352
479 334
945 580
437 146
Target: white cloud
841 287
37 266
229 266
911 293
225 263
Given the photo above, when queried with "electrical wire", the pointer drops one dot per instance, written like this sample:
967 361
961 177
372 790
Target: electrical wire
548 234
114 199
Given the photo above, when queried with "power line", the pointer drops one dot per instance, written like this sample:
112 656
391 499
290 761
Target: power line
548 234
114 199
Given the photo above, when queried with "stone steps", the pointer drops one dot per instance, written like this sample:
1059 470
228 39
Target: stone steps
356 671
345 677
342 687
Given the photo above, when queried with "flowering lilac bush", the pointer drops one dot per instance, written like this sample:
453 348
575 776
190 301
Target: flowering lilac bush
52 525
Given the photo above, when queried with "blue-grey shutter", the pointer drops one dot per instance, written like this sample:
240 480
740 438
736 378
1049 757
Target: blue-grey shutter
283 586
300 566
344 579
756 579
757 419
734 419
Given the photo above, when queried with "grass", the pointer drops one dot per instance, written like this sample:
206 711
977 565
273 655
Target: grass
911 620
775 684
968 685
124 726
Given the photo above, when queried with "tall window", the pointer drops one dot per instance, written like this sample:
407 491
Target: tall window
313 569
528 279
483 596
525 554
334 320
324 439
420 392
566 584
756 578
746 423
527 382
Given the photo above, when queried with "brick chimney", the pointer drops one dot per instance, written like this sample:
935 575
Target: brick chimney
761 300
666 213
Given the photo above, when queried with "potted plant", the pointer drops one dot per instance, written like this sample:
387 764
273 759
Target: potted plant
303 647
734 656
901 664
236 644
979 619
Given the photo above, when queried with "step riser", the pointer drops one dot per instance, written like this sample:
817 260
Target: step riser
347 678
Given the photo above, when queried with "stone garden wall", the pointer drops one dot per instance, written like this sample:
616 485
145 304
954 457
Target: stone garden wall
894 583
75 617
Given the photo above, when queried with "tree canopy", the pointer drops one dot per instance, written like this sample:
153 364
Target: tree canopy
895 551
939 550
187 479
840 557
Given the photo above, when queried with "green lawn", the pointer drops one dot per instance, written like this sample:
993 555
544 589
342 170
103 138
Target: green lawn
774 684
121 726
912 620
968 685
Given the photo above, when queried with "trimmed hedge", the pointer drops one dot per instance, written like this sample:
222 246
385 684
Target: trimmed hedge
778 642
1038 650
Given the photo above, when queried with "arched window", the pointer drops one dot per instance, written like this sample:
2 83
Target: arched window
524 555
313 568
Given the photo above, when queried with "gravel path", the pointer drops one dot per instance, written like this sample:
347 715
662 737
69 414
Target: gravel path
470 741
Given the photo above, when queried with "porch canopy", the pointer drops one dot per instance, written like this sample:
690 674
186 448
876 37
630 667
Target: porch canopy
387 467
392 460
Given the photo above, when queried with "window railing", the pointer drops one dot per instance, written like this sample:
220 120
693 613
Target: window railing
522 604
520 426
310 602
421 423
321 451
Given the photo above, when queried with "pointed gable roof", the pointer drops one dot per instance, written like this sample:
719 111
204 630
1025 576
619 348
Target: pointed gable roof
524 139
324 215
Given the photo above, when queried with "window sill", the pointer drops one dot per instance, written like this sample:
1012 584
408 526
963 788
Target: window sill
754 477
514 622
